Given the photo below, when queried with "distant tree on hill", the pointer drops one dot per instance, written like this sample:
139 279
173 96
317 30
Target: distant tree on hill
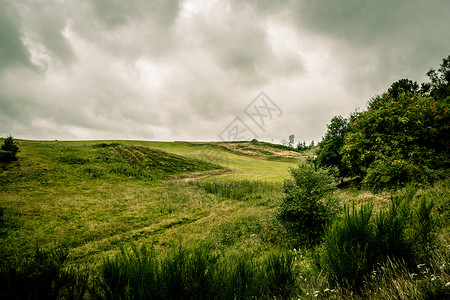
291 141
9 150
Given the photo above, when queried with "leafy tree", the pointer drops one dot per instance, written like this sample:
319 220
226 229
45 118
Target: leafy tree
398 139
440 81
304 210
403 85
329 154
9 150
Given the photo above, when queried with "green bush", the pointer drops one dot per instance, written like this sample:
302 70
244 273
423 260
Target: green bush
195 274
398 140
9 150
347 246
305 209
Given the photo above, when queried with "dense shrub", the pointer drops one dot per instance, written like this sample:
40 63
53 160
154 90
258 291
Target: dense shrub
305 209
195 274
398 140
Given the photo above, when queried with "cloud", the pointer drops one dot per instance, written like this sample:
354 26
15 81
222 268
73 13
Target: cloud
379 40
183 70
12 50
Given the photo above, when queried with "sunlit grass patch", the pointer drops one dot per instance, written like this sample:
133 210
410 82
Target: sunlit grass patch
240 189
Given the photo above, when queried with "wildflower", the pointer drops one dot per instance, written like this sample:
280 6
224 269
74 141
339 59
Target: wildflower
435 277
447 284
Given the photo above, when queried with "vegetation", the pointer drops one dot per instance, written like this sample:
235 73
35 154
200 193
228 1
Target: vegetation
402 137
195 274
398 141
44 275
305 209
328 154
233 245
9 150
238 190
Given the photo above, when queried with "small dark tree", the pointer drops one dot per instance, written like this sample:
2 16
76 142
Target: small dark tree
329 154
9 150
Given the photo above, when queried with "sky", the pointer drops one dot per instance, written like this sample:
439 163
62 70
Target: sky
206 70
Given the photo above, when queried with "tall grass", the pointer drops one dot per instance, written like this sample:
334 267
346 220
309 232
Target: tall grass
356 244
44 275
393 279
200 273
237 190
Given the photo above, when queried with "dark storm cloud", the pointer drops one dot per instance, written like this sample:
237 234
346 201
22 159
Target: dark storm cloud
12 50
392 37
185 69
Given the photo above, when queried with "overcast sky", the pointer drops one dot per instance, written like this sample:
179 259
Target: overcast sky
185 70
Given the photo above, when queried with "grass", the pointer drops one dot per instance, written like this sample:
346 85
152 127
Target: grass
95 198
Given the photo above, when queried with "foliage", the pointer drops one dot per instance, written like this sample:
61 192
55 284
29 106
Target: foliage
398 140
195 274
301 146
42 276
9 150
440 81
328 154
354 245
304 210
403 86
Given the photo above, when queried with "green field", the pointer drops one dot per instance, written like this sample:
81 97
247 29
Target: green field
95 198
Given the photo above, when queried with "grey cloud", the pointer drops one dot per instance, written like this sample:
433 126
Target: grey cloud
396 36
116 12
154 70
12 49
128 29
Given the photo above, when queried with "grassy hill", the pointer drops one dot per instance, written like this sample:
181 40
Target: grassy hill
97 197
94 196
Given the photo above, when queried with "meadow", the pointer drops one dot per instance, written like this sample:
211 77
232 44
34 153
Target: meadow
192 219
